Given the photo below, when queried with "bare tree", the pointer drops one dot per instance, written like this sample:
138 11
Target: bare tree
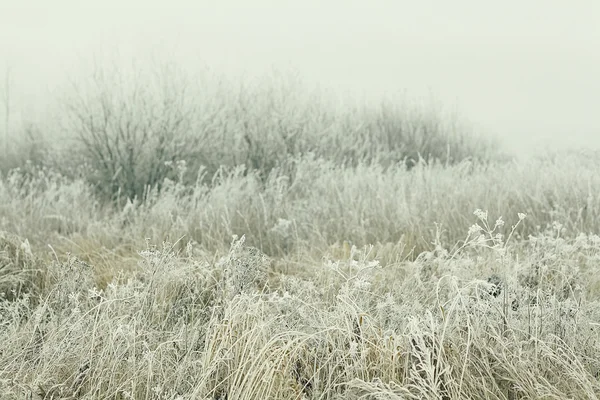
132 125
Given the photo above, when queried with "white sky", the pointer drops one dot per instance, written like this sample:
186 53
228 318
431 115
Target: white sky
527 70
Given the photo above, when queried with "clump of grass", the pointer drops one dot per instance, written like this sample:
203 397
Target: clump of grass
38 202
21 272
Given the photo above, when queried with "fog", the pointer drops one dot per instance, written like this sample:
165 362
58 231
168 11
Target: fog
526 71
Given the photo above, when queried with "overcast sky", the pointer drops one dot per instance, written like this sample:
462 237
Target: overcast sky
527 70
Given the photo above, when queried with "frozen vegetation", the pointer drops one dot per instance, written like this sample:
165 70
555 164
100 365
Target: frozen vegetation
206 241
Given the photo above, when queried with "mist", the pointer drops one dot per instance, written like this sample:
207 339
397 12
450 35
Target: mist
526 72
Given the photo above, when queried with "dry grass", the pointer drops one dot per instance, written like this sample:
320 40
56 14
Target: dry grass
434 312
319 205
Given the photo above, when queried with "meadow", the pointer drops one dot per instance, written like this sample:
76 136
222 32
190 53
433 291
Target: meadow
202 240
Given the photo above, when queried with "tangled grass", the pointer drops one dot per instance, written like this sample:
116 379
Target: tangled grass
482 307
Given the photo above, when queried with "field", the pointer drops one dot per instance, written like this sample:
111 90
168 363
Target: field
261 244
